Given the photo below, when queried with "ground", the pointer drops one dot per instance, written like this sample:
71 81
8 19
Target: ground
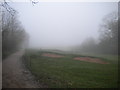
87 59
15 75
59 70
56 70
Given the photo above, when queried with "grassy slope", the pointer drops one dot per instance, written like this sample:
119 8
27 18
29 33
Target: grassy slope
66 72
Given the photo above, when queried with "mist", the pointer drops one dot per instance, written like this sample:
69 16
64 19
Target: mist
53 25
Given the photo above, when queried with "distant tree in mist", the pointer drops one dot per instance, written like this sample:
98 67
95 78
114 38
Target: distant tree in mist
89 45
13 33
109 34
108 39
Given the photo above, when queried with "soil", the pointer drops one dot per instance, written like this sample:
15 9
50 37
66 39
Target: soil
52 55
89 59
15 75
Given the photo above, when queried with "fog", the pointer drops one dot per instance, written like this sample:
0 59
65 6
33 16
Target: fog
62 25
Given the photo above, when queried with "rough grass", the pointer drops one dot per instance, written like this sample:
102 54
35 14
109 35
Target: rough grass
68 73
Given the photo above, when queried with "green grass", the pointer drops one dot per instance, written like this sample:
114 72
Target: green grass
68 73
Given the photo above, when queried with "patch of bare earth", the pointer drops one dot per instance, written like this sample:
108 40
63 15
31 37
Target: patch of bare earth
52 55
88 59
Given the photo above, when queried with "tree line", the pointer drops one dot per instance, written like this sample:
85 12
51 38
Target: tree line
14 36
108 37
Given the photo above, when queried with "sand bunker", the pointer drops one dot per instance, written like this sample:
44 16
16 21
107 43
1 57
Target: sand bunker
88 59
52 55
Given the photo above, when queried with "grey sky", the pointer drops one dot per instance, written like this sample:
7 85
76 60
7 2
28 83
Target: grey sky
62 24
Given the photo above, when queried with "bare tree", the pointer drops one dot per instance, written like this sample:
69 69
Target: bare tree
13 33
109 33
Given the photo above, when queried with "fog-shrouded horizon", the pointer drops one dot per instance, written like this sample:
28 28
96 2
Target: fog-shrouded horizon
62 25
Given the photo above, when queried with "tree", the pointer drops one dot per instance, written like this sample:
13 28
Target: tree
13 33
88 45
109 34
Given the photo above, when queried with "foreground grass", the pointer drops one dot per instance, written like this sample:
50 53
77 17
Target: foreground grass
65 72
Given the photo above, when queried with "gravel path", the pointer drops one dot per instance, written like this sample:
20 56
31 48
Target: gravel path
15 75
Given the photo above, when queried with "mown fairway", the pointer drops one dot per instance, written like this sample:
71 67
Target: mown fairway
65 72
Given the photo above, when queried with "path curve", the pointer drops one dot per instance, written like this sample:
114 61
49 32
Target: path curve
15 75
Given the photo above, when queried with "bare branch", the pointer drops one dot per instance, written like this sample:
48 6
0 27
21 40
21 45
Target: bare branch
8 8
34 2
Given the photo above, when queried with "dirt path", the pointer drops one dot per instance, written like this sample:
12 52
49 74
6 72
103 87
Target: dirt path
15 75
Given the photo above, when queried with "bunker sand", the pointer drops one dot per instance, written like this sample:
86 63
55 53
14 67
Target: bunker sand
52 55
86 59
89 59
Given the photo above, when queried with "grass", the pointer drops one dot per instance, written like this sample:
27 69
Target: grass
68 73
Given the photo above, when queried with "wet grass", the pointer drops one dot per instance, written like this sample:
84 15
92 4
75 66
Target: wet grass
65 72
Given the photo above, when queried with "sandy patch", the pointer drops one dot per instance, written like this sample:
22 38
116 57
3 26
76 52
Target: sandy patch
88 59
52 55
